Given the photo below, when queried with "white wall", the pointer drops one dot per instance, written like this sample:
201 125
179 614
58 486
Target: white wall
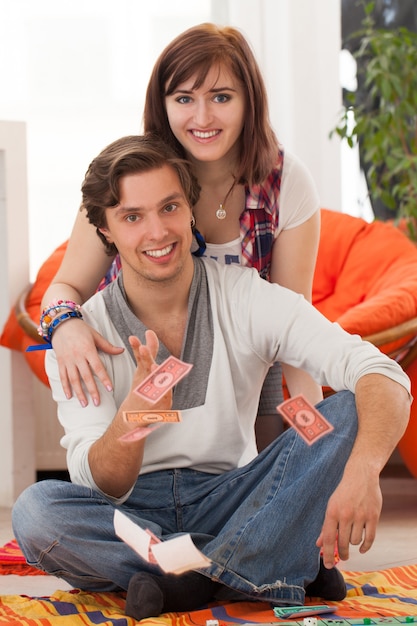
17 430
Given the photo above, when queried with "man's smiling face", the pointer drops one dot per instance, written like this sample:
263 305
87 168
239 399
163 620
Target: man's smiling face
151 225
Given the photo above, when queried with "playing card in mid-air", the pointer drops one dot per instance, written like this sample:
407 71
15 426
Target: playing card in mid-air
176 555
139 433
304 418
162 379
151 416
148 421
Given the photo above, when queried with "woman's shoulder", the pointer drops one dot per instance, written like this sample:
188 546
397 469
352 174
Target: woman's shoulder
294 168
299 198
288 167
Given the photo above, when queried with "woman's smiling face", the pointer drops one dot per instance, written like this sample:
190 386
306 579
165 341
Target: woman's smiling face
208 120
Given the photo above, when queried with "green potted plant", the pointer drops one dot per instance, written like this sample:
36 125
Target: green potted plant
382 116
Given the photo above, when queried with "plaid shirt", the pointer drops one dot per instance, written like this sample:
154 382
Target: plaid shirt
260 219
258 223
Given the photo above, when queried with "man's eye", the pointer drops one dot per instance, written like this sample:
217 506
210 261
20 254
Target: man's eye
131 218
170 208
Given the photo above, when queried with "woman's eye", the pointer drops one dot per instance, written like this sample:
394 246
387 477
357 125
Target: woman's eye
183 99
221 98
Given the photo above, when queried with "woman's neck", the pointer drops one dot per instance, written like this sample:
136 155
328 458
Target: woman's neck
218 210
221 201
213 175
218 174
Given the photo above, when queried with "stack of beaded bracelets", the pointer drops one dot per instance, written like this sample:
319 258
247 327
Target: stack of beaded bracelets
53 315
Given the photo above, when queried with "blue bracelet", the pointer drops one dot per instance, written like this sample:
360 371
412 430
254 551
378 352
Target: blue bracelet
51 311
58 320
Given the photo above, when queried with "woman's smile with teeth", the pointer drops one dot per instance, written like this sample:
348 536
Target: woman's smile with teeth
205 134
158 253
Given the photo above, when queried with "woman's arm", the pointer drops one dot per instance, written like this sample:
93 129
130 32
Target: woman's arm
293 261
84 264
75 343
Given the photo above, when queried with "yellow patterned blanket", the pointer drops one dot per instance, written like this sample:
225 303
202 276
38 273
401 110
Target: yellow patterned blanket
389 594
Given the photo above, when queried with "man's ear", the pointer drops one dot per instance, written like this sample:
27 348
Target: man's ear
106 234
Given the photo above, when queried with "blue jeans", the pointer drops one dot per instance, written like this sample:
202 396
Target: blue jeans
258 524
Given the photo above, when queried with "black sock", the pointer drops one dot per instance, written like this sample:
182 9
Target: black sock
149 595
329 584
144 597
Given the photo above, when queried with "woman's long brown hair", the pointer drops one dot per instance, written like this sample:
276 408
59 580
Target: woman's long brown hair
193 54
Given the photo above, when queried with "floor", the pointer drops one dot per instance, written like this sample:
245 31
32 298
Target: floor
395 544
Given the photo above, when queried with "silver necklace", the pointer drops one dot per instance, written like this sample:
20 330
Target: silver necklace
221 212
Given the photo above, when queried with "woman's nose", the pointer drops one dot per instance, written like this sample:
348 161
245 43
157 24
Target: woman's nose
202 114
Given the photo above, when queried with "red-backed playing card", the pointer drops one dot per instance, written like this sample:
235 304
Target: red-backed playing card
161 380
304 417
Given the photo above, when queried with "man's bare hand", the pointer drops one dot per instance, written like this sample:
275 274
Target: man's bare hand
145 355
351 516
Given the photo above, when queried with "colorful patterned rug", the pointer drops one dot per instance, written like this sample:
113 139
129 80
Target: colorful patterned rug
373 598
12 561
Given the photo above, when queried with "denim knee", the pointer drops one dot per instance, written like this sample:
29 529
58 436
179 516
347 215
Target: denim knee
340 410
31 513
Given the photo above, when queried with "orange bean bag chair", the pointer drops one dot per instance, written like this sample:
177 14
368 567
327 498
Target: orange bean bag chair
366 274
19 331
365 279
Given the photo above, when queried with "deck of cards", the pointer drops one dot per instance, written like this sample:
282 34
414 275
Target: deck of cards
309 423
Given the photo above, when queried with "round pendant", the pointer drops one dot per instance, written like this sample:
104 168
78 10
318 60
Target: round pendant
221 213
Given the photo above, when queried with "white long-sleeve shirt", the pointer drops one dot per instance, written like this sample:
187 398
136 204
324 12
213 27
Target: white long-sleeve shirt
253 324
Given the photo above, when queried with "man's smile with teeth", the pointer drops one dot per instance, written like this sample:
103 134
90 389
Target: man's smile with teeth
161 252
205 134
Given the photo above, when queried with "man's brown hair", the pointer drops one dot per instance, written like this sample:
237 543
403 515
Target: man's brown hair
128 155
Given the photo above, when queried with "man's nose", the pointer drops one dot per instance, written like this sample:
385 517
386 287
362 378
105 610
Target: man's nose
156 227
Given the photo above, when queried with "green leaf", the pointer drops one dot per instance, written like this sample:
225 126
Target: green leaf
385 118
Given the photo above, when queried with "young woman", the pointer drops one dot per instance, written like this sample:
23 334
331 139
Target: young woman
258 205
